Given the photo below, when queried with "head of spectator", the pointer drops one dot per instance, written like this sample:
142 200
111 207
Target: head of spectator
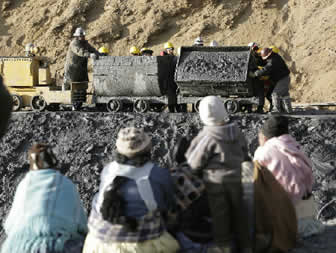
146 52
133 146
275 126
212 111
5 108
79 33
41 157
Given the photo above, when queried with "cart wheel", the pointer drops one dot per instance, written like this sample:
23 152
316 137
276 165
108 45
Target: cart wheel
231 106
17 102
196 105
38 103
114 105
247 108
141 105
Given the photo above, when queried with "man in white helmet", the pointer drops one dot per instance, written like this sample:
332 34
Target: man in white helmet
79 51
198 42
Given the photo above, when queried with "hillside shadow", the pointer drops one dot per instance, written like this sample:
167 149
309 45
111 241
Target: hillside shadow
4 28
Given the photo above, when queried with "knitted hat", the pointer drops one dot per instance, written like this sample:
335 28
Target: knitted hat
275 126
132 141
212 111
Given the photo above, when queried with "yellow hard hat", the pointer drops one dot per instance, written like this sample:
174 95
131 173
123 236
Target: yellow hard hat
275 49
34 50
103 50
168 45
134 50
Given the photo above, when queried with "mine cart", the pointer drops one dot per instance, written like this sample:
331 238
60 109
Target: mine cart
29 81
219 71
137 82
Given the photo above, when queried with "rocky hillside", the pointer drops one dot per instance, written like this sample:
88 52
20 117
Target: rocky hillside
303 30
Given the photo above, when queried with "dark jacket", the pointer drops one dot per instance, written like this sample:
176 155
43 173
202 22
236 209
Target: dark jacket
75 69
219 151
5 107
275 67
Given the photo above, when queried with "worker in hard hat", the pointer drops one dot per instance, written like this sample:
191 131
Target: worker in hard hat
257 84
214 43
255 52
31 50
279 72
103 51
168 49
198 42
135 51
146 52
79 51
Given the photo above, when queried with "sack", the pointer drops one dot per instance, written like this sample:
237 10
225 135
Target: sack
275 213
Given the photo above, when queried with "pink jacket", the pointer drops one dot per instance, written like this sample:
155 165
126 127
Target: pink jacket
289 165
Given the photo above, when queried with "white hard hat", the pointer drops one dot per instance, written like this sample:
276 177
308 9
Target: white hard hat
28 47
214 43
253 44
79 32
198 41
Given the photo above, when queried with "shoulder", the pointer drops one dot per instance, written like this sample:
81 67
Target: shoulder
65 181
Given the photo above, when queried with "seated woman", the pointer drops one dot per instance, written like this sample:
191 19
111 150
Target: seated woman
47 214
281 154
193 227
134 197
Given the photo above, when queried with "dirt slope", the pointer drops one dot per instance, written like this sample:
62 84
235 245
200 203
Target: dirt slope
304 30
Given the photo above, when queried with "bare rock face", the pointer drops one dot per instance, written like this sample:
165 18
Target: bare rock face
84 142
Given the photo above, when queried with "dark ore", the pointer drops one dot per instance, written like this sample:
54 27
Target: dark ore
83 143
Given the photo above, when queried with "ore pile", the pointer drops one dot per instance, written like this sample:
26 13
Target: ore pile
84 143
213 66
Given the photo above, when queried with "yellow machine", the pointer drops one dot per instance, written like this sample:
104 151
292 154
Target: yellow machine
29 80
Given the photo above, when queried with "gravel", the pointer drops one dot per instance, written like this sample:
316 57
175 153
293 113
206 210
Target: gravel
84 141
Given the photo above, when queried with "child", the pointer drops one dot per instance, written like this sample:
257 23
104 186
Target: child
218 152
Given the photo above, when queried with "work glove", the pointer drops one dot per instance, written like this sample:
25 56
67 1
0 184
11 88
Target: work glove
251 74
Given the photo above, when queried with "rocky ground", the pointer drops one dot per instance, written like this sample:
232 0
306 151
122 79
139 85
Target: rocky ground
84 141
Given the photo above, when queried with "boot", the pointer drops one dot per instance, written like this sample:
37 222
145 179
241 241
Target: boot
287 103
276 101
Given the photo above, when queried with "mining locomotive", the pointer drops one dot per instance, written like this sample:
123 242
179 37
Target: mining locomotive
140 84
28 79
